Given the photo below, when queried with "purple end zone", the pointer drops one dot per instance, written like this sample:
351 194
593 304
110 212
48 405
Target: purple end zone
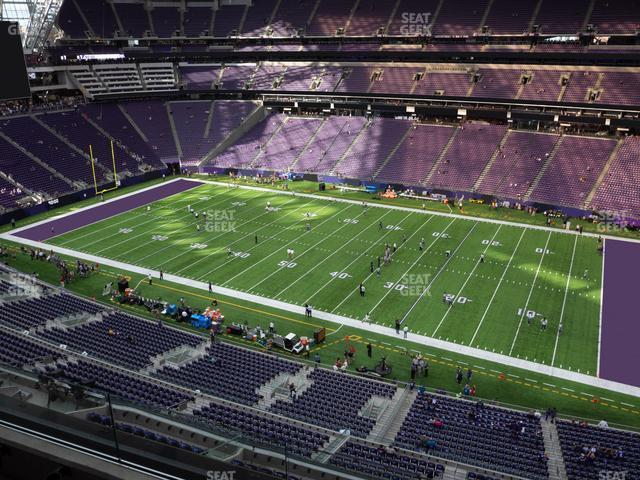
82 218
619 352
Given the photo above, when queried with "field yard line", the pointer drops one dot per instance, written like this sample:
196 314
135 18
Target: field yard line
411 266
371 274
438 273
340 320
279 269
564 302
145 232
495 292
419 210
353 261
286 245
208 239
466 281
379 219
248 235
604 255
143 214
533 284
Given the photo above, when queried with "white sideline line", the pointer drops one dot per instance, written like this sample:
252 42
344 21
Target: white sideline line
604 256
446 313
533 284
389 332
418 210
495 292
340 320
564 302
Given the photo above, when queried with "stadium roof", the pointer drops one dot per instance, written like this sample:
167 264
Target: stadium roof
36 18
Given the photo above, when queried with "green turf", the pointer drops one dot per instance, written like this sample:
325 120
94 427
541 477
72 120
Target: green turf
503 383
334 256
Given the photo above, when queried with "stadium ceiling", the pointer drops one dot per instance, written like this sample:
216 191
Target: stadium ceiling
36 19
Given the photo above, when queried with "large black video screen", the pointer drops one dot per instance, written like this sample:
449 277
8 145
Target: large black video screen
14 82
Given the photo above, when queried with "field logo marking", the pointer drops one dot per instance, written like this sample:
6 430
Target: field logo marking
125 230
159 238
198 246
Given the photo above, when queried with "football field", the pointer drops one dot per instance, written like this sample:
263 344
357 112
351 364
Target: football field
434 281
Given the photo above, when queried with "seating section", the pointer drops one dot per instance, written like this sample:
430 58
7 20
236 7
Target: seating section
560 17
616 16
227 20
466 158
460 17
331 18
287 143
197 21
191 120
30 134
143 432
166 21
121 385
273 433
74 127
100 16
618 191
572 175
258 17
122 339
291 17
329 145
370 18
10 195
200 78
509 17
112 120
616 88
152 118
346 395
134 18
21 168
229 372
242 153
589 450
381 463
32 312
70 21
517 164
511 441
372 148
288 17
17 350
415 157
